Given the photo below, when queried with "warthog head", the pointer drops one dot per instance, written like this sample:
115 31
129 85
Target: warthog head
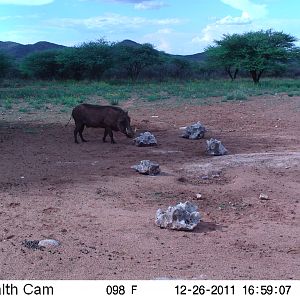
124 125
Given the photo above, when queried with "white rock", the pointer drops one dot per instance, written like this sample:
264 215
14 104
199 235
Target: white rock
145 139
147 167
215 147
48 243
263 197
194 132
183 216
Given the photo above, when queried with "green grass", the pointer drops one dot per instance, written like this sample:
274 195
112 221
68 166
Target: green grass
235 95
114 102
8 103
36 95
24 110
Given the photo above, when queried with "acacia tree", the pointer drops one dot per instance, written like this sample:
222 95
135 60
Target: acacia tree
224 55
136 58
180 67
97 58
255 52
87 61
264 50
43 65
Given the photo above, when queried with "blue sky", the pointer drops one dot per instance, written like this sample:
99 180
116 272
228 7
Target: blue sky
173 26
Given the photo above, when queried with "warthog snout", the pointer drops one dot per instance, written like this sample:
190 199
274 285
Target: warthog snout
129 132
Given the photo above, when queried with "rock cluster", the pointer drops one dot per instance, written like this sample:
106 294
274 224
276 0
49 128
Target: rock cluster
183 216
147 167
145 139
194 132
215 147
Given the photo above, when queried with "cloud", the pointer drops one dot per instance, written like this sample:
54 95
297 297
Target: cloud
165 31
160 39
113 20
138 4
216 31
26 2
131 1
172 41
251 14
146 5
229 20
4 18
32 16
254 11
120 1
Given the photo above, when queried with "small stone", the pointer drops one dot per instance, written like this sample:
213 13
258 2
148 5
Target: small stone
263 197
193 132
198 196
215 175
32 244
183 216
147 167
215 147
48 243
145 139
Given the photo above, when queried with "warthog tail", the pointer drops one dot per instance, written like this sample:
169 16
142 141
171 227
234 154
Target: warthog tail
68 122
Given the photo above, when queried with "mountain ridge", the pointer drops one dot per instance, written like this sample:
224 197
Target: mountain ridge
19 51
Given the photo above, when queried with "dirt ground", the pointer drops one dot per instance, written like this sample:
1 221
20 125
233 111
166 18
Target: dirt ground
87 196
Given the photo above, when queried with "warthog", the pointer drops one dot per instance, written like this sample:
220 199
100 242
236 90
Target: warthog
97 116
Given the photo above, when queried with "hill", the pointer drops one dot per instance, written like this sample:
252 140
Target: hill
19 51
129 43
192 57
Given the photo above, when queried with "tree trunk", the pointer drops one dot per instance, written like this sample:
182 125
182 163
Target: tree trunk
254 76
232 76
235 73
259 74
229 73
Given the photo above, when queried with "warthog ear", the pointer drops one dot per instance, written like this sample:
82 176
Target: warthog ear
126 112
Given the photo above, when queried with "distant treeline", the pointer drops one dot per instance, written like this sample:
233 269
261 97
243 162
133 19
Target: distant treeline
256 53
101 60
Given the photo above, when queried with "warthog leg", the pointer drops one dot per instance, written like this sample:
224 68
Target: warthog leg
75 135
79 129
80 133
106 132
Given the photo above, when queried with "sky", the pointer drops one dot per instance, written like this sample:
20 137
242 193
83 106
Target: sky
174 26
